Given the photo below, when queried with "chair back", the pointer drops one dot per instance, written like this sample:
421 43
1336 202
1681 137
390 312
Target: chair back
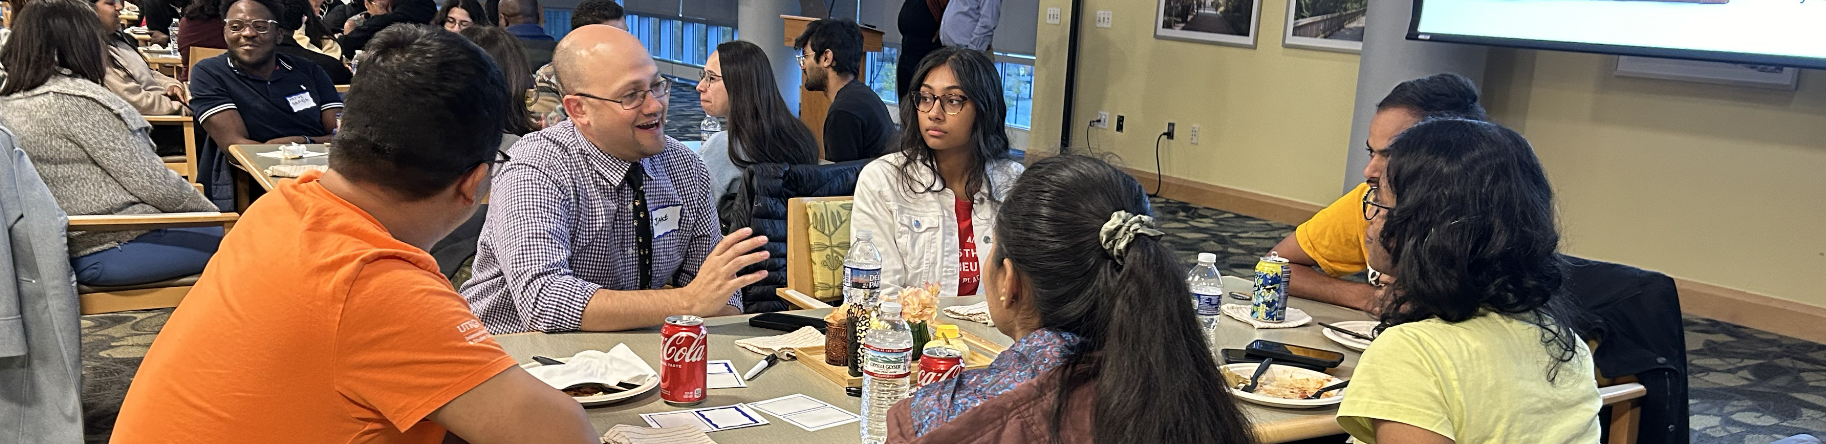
819 237
198 54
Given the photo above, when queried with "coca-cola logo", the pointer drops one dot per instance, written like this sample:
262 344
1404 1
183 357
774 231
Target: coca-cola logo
685 347
931 377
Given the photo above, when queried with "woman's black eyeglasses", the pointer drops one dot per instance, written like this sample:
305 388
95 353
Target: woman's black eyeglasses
950 103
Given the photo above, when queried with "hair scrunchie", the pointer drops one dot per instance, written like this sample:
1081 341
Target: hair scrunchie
1122 229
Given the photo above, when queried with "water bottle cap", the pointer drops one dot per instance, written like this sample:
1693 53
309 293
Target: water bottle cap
864 235
1207 258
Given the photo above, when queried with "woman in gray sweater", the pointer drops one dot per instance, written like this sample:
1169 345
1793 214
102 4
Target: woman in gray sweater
92 149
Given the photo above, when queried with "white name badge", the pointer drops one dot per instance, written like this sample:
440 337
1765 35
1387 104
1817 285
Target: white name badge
665 220
301 101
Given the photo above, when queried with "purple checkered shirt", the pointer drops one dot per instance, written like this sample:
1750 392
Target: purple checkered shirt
560 227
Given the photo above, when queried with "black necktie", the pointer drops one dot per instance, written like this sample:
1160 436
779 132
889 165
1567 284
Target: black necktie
643 225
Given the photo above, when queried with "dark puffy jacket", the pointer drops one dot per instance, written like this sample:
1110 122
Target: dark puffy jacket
404 11
760 202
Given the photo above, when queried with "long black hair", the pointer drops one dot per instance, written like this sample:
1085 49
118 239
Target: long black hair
506 52
1473 228
477 15
762 127
1155 378
976 74
50 35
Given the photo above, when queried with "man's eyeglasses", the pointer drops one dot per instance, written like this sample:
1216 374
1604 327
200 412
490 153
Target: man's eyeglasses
706 76
1371 208
259 26
950 103
658 90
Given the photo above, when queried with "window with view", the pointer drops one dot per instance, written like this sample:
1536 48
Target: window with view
1017 82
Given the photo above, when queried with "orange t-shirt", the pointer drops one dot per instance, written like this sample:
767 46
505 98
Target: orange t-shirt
311 325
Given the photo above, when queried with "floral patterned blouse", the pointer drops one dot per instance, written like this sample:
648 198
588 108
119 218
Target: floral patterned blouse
1038 352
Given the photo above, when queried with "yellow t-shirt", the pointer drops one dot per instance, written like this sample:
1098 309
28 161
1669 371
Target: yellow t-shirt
1334 236
1483 380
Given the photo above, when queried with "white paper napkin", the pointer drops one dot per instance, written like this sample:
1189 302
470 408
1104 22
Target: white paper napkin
978 313
767 345
294 170
1295 317
590 366
627 434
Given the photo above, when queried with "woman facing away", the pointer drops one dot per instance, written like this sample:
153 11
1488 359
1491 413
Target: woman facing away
738 84
1106 348
506 52
931 206
1477 341
93 152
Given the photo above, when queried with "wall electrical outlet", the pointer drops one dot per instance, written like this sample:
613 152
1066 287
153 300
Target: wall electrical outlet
1103 119
1105 19
1052 16
1192 136
1119 123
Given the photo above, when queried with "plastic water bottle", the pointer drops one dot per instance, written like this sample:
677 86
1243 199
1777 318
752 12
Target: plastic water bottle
887 371
1207 295
709 126
861 288
171 44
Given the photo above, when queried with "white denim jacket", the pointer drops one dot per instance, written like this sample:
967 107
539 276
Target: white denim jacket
917 232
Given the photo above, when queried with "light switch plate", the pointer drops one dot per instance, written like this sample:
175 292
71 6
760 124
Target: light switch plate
1052 16
1104 19
1193 135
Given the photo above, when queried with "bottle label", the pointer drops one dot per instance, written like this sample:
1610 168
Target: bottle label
1209 304
887 363
862 278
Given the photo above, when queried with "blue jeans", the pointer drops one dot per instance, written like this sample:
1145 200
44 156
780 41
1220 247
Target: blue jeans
155 256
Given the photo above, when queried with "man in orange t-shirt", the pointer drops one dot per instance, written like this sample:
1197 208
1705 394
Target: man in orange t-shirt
322 319
1333 239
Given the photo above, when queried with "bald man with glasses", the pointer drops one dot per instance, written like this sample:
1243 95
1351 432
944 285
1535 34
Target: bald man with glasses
602 222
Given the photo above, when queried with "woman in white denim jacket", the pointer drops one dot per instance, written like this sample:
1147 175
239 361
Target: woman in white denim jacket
953 140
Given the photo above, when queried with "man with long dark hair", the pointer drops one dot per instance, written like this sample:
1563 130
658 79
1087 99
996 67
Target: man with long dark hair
595 217
358 336
253 94
1333 239
1477 338
857 124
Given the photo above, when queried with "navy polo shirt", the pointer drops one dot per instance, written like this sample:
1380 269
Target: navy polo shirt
289 103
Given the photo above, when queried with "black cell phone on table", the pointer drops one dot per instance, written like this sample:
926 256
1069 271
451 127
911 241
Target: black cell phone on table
1238 356
785 322
1294 354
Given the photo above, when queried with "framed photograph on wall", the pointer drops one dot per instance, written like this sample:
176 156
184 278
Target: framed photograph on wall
1224 22
1331 25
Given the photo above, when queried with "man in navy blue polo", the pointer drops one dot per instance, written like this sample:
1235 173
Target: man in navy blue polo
254 95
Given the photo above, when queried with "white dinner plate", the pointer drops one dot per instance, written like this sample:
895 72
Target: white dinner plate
607 398
1248 369
1360 327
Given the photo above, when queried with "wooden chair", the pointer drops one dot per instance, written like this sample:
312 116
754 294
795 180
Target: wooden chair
185 165
144 296
198 54
807 287
1625 405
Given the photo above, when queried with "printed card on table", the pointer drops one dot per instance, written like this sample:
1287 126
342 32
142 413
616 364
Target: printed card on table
720 374
712 419
806 412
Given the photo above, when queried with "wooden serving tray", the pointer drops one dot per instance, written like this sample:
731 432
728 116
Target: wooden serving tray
982 352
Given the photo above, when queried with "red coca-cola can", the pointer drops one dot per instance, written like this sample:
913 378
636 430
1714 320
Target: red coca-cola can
938 364
681 382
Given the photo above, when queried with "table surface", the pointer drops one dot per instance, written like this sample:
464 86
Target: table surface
1272 424
256 165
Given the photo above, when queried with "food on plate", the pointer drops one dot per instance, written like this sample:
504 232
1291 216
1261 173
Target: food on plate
1284 385
586 390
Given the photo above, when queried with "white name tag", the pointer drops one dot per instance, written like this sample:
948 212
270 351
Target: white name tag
665 220
301 101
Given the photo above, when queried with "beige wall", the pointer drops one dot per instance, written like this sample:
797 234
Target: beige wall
1263 112
1716 184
